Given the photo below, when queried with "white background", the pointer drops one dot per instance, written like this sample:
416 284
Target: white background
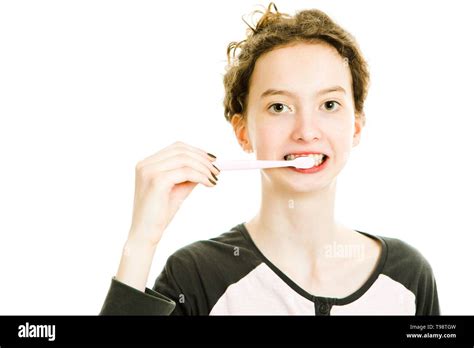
89 88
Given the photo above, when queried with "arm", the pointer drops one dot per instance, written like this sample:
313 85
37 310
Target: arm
162 183
427 298
135 263
126 300
128 294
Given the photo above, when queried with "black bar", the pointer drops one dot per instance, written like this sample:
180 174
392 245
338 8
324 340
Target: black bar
157 330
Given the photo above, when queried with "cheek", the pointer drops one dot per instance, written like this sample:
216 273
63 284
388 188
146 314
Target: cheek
342 136
267 143
342 129
264 138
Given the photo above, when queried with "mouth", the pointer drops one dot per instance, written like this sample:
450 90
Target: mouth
319 158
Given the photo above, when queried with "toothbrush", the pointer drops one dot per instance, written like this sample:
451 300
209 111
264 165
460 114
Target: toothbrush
299 162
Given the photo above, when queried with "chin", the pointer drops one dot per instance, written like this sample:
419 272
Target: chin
303 185
308 187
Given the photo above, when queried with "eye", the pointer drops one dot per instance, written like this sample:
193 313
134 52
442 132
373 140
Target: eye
278 108
331 105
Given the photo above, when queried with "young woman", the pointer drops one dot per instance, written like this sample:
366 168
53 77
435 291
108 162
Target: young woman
296 88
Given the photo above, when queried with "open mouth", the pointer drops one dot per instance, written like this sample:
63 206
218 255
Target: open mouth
319 158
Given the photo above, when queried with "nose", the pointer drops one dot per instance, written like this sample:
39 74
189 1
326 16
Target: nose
306 127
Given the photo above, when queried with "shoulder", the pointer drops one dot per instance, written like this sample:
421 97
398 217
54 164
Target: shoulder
202 271
210 250
399 258
404 257
406 265
226 253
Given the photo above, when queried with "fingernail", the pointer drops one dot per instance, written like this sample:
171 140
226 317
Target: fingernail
210 154
212 181
216 167
214 176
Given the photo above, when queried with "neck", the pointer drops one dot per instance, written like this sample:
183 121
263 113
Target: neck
290 221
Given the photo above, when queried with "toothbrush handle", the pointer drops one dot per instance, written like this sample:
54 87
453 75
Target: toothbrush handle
248 164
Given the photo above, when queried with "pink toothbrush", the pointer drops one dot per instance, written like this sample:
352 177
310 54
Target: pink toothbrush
299 162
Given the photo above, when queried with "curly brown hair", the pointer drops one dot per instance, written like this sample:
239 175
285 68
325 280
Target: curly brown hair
276 29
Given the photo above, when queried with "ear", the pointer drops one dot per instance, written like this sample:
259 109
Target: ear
239 124
359 123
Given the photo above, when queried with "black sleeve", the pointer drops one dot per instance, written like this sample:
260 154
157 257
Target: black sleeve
123 299
427 296
178 290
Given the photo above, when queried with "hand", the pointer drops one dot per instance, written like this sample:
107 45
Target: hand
162 182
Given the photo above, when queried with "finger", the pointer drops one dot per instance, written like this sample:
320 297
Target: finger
176 162
184 174
181 145
178 150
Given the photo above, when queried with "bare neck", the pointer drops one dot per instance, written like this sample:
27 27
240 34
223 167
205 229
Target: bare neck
290 222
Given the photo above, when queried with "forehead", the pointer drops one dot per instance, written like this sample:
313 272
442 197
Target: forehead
303 68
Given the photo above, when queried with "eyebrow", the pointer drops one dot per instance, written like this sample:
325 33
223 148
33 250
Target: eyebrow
271 91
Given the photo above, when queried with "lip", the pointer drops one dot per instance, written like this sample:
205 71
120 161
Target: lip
313 169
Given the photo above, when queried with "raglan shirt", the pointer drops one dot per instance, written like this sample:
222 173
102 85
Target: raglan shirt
228 275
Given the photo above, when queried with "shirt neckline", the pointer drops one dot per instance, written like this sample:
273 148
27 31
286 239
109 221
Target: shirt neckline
332 300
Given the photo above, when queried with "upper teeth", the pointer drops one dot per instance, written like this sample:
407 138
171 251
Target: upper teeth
318 158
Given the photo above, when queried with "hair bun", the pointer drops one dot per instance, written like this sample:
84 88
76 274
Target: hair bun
268 18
